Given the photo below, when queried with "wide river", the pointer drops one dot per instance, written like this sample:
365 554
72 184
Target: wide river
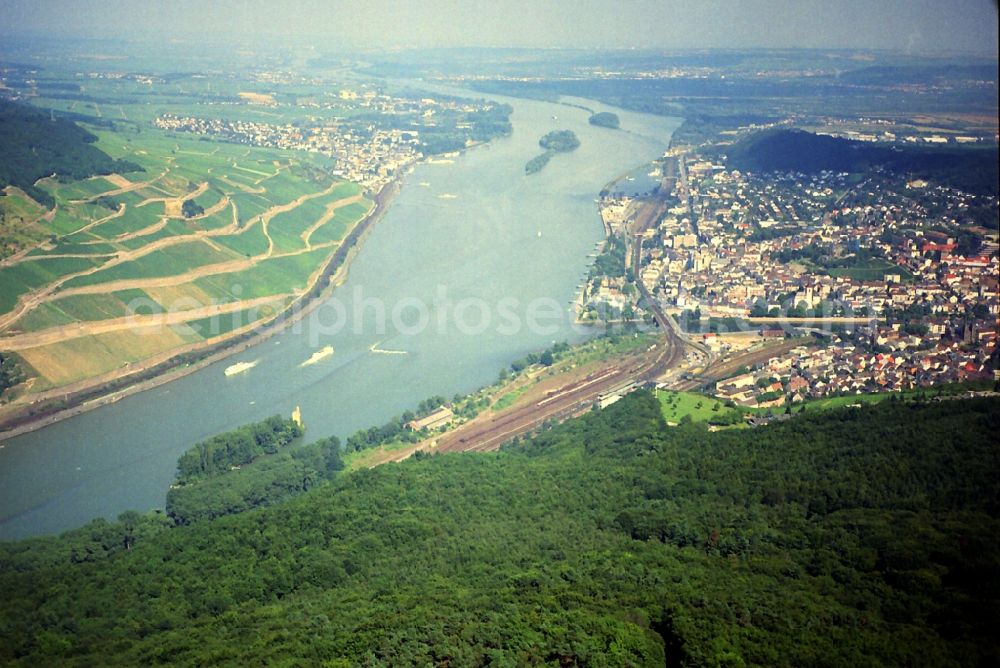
474 265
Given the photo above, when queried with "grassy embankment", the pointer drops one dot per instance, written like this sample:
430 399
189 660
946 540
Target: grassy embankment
512 386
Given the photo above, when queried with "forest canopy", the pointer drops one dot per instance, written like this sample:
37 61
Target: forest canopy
559 141
34 145
605 119
859 536
973 169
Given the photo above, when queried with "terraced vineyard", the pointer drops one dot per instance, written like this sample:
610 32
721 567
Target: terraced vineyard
134 268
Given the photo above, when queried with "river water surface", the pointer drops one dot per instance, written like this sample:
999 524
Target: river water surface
474 235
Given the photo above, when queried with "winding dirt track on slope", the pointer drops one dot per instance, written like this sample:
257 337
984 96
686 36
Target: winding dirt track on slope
179 279
331 211
240 186
117 179
117 214
32 299
265 218
200 190
131 322
55 256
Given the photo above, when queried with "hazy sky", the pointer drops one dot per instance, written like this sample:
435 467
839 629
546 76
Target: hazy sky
914 25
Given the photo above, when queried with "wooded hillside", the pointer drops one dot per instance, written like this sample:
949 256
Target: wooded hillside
34 144
850 537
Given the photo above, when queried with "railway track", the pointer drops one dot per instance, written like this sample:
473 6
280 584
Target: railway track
491 431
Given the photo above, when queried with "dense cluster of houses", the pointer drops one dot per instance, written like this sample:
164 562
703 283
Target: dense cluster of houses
368 158
846 365
367 151
904 255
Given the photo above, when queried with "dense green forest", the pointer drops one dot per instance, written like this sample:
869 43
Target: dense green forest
559 141
973 169
221 453
395 428
537 163
10 372
605 119
611 261
267 480
844 538
190 208
34 145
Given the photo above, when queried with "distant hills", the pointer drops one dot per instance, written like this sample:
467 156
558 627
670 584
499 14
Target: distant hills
34 145
895 75
972 169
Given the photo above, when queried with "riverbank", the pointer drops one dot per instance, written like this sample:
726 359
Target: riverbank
17 419
484 244
579 300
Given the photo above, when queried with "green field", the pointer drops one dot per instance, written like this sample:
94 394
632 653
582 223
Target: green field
274 276
135 219
248 205
43 316
286 228
72 309
343 219
92 247
872 270
21 278
173 228
217 221
209 198
16 204
16 215
249 242
65 222
170 261
699 407
509 398
84 189
213 326
83 308
829 403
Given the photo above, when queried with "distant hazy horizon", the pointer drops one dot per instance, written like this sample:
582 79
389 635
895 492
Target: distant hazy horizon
916 26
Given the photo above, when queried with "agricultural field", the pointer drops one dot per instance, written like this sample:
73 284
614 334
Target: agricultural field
118 251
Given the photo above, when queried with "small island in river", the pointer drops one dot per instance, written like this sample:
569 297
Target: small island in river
557 141
605 119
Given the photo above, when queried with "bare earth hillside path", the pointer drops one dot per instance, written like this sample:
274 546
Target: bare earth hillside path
48 293
124 186
331 211
132 322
